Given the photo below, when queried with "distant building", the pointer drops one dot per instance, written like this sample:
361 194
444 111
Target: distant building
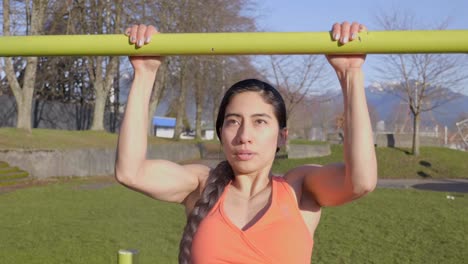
208 134
164 126
207 130
380 126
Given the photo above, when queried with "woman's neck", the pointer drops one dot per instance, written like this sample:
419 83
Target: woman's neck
252 184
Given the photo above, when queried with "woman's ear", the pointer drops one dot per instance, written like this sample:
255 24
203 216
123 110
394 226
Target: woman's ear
282 137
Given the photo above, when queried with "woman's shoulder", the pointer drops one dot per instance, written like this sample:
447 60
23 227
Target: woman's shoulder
298 173
202 172
294 178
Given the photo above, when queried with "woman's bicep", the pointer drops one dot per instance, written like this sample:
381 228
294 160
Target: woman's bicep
166 180
328 185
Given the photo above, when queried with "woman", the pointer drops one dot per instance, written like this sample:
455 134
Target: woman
239 212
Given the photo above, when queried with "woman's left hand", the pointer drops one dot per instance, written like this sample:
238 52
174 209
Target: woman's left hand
344 33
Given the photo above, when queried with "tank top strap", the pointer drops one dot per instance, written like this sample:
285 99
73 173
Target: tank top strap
284 192
221 198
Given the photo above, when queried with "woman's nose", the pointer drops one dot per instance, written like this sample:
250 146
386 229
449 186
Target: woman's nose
244 134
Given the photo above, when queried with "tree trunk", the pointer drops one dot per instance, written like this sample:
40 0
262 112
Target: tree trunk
158 89
24 107
198 133
215 116
181 102
39 106
115 106
24 95
99 107
199 94
78 116
102 80
415 145
87 110
102 85
180 111
286 145
152 110
216 104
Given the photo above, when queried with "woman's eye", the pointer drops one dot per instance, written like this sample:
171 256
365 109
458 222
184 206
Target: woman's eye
231 122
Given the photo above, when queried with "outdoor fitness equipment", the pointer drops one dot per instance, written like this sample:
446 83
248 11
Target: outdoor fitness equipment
373 42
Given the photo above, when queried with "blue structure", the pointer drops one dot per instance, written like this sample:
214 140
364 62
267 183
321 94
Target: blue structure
164 126
167 122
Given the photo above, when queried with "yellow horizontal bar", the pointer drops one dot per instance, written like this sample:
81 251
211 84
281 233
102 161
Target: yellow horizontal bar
374 42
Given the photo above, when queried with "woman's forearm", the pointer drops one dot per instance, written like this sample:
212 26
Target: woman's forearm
359 152
132 143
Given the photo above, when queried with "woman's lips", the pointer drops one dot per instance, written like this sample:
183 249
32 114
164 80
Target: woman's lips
244 155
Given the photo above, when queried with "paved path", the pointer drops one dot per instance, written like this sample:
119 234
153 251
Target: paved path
442 185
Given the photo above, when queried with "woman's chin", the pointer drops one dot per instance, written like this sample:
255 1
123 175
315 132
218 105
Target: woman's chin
246 167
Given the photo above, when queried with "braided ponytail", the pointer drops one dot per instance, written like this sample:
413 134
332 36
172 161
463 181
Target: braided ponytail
215 184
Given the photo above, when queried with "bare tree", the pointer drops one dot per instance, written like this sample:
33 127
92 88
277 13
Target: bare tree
105 18
324 108
158 89
184 72
422 80
62 81
188 13
23 88
201 81
189 80
297 76
225 72
204 16
160 13
212 76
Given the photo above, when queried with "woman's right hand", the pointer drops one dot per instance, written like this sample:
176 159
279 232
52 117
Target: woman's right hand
140 35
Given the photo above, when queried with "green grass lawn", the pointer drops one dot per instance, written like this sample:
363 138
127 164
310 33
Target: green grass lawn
307 142
75 222
433 162
11 175
12 138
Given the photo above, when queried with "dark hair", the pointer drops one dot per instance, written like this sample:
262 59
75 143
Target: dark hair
223 173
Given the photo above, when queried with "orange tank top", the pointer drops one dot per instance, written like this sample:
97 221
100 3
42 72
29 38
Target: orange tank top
279 236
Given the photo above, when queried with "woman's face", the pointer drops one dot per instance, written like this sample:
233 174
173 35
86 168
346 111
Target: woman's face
250 133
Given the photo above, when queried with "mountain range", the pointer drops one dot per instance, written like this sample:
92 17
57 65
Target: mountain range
388 106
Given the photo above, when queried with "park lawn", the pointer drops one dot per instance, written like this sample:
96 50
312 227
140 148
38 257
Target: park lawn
433 162
83 221
307 142
13 138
